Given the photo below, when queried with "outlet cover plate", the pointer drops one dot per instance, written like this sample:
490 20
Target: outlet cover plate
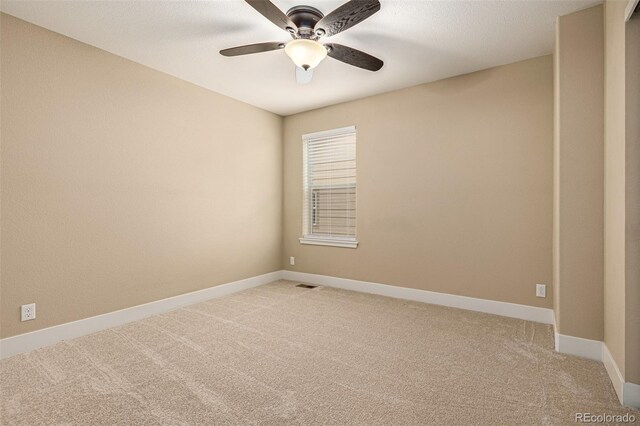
541 290
28 312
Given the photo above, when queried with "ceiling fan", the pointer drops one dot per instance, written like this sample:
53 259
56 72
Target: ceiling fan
307 25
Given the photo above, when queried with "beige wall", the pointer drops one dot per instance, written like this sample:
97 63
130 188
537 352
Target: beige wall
122 185
454 185
622 189
556 181
632 200
614 290
579 174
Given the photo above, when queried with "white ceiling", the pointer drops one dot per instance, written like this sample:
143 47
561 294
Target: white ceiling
419 41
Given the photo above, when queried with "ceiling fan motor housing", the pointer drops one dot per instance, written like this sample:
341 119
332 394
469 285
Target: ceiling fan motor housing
305 18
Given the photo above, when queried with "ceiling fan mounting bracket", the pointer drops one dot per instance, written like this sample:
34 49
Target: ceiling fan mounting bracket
305 18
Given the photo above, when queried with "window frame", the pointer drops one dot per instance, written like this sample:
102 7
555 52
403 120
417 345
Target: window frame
321 240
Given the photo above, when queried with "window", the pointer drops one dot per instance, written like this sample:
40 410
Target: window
329 185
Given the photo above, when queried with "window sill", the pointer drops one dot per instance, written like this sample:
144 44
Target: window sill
333 242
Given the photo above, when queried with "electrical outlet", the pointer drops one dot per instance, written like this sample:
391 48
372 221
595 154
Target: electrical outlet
292 261
541 290
28 312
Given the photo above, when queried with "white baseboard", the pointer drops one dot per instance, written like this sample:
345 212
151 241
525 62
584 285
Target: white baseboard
578 346
614 372
631 395
628 393
513 310
36 339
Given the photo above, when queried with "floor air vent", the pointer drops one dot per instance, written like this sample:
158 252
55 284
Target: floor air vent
306 286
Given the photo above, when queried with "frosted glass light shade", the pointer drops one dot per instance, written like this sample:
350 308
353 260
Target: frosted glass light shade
306 54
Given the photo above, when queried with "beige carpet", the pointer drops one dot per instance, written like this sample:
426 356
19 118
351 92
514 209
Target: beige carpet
279 354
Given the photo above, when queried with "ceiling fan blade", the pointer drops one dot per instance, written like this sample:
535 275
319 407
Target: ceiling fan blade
354 57
252 48
272 13
346 16
302 76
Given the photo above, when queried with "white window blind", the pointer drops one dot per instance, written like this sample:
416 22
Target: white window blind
329 206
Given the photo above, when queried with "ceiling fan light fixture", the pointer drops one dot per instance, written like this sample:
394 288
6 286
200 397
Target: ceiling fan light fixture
305 53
